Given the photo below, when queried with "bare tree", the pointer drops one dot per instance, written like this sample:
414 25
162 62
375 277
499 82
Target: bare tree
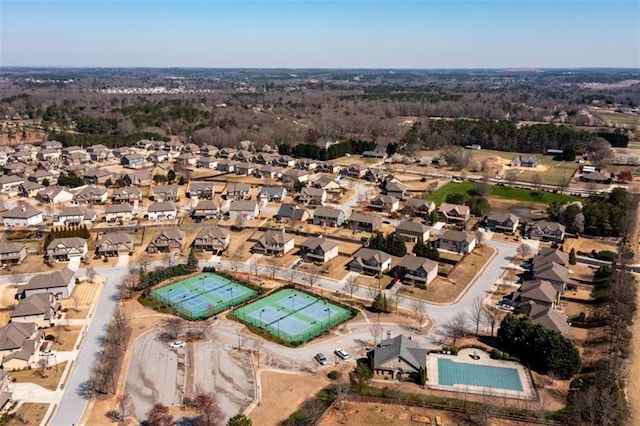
254 267
173 327
511 177
312 276
167 259
125 405
523 250
293 274
535 181
456 327
208 408
420 312
120 323
492 316
376 329
476 314
350 285
91 273
43 365
272 266
159 415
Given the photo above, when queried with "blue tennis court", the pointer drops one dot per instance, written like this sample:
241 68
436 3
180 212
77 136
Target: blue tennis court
452 373
203 295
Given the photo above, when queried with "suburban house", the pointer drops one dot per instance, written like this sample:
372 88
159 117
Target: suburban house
264 158
364 222
41 308
54 195
244 169
10 183
417 270
311 196
328 167
22 216
290 177
284 161
75 215
548 255
398 358
304 164
169 240
503 222
128 195
316 249
40 176
384 203
596 177
328 216
413 232
461 242
226 153
164 210
242 156
374 154
418 207
91 194
370 262
551 319
535 292
553 272
30 189
186 159
546 231
202 190
63 249
525 161
59 283
12 253
247 209
289 212
118 213
355 171
372 175
327 183
238 191
206 209
396 189
273 193
132 161
140 177
267 172
226 166
207 163
165 193
19 344
212 238
97 176
114 244
454 213
274 243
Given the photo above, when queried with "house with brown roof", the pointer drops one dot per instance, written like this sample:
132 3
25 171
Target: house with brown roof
207 163
289 212
418 207
461 242
454 213
212 238
317 249
328 216
370 262
364 222
247 209
59 283
12 253
396 189
114 244
238 191
166 193
416 270
398 358
91 194
267 172
164 210
539 291
355 171
551 319
97 176
206 209
328 167
413 232
503 222
19 344
384 203
274 243
311 196
290 177
41 309
118 213
22 216
64 249
127 194
75 215
169 240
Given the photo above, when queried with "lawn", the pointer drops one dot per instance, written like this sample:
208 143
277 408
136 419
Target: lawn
50 381
439 196
31 413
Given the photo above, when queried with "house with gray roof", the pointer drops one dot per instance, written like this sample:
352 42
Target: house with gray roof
460 242
396 189
503 222
274 243
164 210
370 262
454 213
413 232
19 344
546 231
290 212
238 191
364 222
12 253
64 249
551 319
273 193
91 194
114 244
202 190
542 292
206 209
418 207
25 215
398 358
165 193
311 196
212 238
169 240
384 203
328 216
127 195
75 215
59 283
318 249
247 209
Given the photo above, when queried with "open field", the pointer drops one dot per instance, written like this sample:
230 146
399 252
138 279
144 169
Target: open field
50 381
525 195
32 414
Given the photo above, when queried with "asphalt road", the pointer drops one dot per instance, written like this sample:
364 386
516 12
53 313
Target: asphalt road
74 398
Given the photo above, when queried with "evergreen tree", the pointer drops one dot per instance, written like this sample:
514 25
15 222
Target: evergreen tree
572 257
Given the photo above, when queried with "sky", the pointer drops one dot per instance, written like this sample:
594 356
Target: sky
321 34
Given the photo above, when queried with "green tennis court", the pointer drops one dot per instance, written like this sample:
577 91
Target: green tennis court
451 373
292 315
203 295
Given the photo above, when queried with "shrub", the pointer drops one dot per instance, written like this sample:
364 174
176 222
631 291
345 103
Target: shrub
496 354
333 375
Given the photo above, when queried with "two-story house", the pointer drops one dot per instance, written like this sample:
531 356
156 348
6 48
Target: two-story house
166 193
460 242
454 213
503 222
169 240
290 212
238 191
114 244
41 308
290 177
22 216
91 194
118 213
163 210
413 232
370 262
328 216
546 231
75 215
19 344
272 193
213 239
247 209
64 249
418 207
384 203
12 253
274 243
206 209
364 222
202 190
311 196
316 249
396 189
127 195
417 270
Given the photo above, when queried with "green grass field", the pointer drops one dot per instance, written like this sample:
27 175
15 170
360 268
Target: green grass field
526 195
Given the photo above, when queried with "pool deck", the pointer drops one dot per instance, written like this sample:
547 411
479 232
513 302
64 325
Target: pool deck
464 357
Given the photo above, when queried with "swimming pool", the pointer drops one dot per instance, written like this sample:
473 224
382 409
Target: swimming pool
452 373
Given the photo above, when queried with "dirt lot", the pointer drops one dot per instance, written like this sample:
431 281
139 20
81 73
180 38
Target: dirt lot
588 244
32 413
7 302
286 393
376 414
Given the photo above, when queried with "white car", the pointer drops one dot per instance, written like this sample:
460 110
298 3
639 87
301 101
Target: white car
178 344
47 353
341 353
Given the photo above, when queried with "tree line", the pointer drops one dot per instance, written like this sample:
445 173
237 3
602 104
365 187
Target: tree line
315 152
